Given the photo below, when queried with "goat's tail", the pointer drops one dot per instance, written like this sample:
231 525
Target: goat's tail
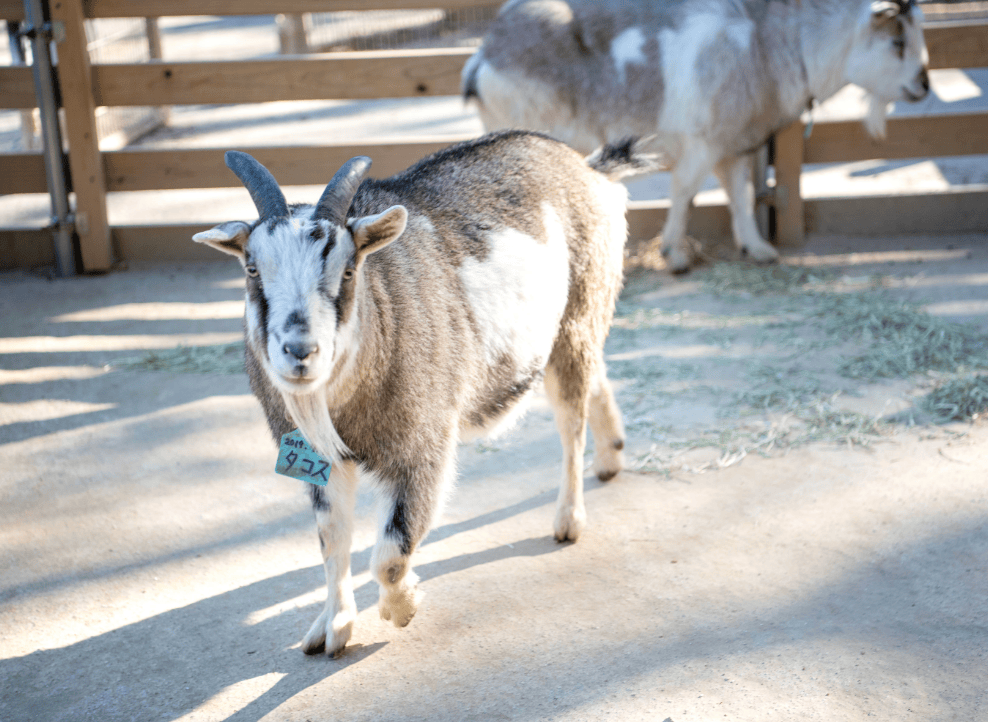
468 79
624 158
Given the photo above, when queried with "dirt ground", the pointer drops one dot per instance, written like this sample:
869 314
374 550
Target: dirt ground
792 542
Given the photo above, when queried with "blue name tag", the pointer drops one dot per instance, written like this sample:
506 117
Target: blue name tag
300 461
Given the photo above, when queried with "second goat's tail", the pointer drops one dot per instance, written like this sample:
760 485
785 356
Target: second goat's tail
624 158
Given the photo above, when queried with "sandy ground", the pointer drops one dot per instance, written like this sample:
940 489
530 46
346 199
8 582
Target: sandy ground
153 567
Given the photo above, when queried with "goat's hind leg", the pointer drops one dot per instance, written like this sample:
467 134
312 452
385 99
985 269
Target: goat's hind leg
334 508
735 175
569 395
606 427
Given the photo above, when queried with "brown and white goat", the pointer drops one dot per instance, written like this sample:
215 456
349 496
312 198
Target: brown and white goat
398 316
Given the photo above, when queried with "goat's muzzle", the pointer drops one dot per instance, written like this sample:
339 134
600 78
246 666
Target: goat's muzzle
918 88
298 361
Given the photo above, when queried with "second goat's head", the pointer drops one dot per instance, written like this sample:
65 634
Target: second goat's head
304 267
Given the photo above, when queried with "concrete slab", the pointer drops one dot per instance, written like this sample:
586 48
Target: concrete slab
153 567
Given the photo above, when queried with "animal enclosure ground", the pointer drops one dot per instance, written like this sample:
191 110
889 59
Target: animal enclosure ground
795 541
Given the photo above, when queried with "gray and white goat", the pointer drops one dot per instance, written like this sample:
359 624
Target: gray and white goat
711 80
398 316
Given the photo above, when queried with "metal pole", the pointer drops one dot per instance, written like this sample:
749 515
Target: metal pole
39 30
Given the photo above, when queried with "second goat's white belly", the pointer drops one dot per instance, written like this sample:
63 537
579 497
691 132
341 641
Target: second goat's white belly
519 292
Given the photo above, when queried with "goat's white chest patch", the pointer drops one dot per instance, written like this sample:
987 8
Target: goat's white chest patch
627 48
519 292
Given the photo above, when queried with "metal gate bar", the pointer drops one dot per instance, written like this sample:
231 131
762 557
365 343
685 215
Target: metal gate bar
40 32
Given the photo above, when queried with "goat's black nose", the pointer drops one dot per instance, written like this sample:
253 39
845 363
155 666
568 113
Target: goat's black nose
301 351
924 80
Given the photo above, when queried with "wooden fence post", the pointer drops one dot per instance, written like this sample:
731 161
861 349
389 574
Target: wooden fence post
790 223
85 161
291 34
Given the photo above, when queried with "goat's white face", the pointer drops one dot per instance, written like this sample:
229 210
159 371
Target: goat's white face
302 274
303 268
296 269
888 55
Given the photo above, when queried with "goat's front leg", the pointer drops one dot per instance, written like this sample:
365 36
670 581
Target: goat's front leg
735 175
334 508
693 167
411 498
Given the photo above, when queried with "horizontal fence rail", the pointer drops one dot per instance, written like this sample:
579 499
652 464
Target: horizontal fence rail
957 44
909 137
16 88
14 10
354 76
141 170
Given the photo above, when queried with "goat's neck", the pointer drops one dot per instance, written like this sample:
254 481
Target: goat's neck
357 368
826 38
360 346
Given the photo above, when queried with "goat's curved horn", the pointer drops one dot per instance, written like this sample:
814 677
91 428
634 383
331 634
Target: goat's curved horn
259 182
335 200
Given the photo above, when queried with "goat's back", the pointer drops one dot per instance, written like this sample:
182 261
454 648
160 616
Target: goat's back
591 72
508 238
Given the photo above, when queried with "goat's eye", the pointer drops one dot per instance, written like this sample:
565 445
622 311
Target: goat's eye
348 274
899 44
252 271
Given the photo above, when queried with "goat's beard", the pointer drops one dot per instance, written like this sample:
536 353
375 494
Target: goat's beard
875 117
311 413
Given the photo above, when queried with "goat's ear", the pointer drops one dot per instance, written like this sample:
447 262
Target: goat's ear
230 237
372 233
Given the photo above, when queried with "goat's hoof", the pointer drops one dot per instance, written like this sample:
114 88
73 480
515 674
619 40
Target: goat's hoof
605 471
762 254
329 635
569 524
398 606
608 460
677 260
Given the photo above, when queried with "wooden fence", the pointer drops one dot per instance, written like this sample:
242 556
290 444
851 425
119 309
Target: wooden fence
378 74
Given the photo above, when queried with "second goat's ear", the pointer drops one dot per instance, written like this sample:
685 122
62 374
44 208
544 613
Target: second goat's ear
230 237
372 233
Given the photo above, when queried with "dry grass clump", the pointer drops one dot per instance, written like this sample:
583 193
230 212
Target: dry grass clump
225 358
819 421
772 388
901 339
758 280
960 399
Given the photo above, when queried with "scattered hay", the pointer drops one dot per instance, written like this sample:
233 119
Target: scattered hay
220 359
818 421
824 328
901 339
771 388
962 399
760 280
